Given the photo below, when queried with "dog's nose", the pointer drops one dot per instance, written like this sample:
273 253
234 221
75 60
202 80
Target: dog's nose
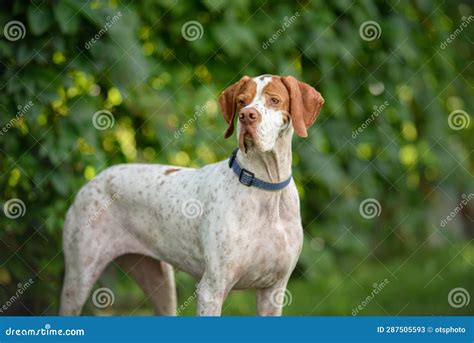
248 116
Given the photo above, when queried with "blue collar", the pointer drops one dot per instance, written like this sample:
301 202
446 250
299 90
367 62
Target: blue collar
248 179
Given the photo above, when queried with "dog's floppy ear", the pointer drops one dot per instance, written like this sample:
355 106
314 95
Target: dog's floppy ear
305 104
228 103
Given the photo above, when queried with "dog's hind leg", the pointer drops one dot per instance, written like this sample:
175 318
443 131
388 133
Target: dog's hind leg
156 278
83 265
78 282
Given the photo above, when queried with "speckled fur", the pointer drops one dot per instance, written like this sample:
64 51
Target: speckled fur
242 237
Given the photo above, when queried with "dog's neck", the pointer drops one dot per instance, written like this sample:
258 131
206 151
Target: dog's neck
271 166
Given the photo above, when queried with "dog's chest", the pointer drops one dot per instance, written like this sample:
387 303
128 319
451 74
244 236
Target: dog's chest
269 258
265 244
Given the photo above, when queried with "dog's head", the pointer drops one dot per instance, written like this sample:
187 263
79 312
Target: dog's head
267 106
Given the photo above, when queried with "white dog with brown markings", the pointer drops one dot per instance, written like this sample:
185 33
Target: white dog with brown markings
234 224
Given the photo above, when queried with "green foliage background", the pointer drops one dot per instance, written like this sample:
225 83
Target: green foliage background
155 82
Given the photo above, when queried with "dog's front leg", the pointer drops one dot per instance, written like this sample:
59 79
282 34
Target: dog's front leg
211 291
270 301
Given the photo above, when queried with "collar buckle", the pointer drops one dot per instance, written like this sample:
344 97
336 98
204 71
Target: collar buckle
246 177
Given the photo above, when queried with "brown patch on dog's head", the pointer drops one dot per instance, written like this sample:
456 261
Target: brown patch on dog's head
305 104
171 170
245 89
277 90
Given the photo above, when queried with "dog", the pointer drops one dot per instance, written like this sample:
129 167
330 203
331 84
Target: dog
234 224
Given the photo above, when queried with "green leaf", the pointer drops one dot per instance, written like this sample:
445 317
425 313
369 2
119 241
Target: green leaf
67 17
39 19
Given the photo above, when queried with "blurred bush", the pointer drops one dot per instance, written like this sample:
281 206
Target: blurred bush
158 67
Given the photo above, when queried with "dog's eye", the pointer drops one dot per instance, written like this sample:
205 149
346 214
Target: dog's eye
241 102
274 101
